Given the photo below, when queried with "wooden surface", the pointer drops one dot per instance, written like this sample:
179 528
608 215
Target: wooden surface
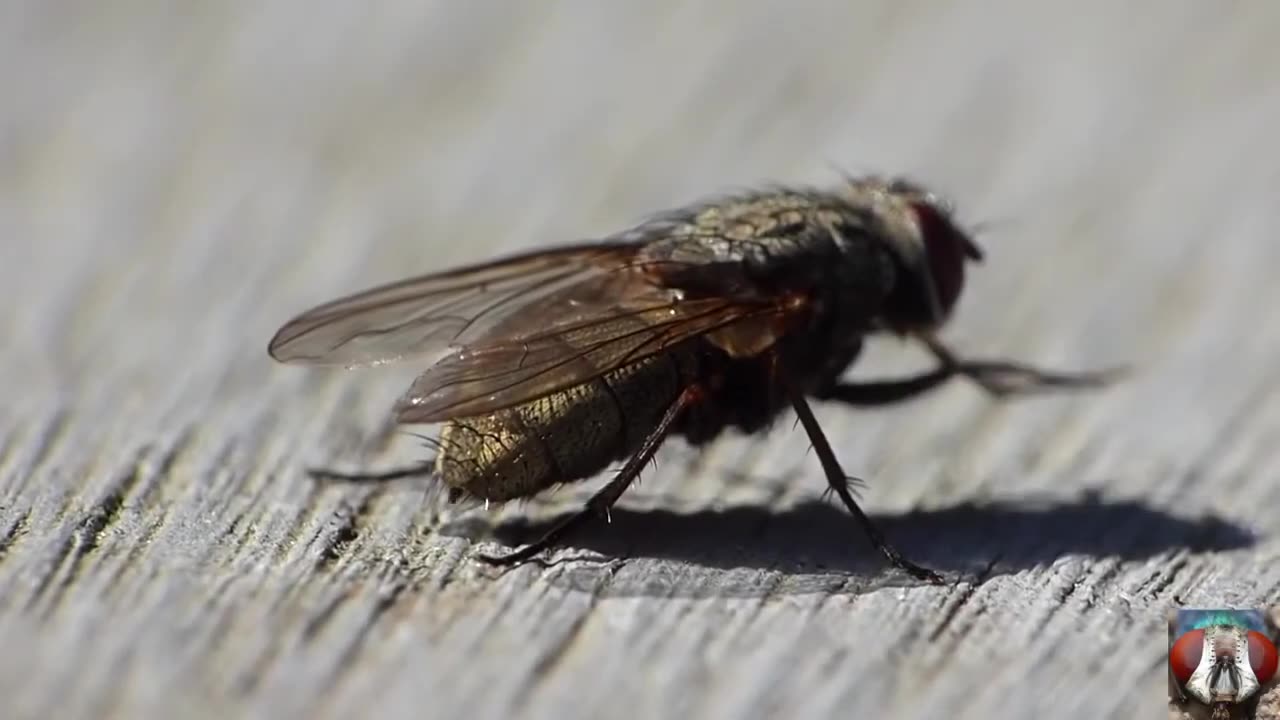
175 183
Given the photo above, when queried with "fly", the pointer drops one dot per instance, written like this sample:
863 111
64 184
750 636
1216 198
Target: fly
555 363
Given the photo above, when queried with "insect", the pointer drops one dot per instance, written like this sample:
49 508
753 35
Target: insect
719 315
1221 659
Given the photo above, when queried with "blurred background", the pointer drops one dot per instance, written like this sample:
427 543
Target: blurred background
178 180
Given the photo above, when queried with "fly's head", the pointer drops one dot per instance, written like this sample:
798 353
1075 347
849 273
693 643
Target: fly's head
1222 665
930 248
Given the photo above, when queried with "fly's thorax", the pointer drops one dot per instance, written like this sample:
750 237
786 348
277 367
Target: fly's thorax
846 301
563 437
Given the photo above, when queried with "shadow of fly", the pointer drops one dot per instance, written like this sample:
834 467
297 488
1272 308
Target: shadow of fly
723 314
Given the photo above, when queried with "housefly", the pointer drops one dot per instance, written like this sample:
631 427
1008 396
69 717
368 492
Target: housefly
556 363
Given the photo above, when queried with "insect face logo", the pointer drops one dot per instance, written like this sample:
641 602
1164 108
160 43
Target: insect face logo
1220 660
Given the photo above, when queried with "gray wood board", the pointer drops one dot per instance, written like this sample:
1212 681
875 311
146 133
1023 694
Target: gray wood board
177 180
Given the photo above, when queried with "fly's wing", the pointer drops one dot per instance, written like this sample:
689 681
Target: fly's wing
586 331
537 323
425 315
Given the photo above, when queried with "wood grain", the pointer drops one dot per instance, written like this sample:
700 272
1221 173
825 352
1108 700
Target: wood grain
177 180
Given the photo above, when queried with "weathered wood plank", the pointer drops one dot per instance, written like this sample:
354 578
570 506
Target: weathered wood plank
175 183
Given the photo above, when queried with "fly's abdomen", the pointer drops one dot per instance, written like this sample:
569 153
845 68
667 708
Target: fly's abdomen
567 436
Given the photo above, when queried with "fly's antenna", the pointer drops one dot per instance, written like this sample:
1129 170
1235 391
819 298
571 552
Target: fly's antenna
982 228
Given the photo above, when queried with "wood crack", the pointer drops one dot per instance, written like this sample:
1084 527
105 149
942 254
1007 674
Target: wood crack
87 536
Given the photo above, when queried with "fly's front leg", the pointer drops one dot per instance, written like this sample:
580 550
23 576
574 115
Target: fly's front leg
998 378
885 392
1002 378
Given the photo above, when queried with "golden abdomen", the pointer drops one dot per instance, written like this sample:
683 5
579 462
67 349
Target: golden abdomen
567 436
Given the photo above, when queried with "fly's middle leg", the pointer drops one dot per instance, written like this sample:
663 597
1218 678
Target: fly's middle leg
839 482
600 503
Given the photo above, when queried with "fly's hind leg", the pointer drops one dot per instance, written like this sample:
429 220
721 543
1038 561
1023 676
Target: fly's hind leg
424 469
600 503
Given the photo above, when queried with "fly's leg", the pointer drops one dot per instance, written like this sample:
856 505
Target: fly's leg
323 475
996 377
840 484
1001 378
885 392
426 469
600 503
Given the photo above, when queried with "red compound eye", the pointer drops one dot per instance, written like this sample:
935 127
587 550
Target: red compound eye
1262 656
945 247
1184 656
